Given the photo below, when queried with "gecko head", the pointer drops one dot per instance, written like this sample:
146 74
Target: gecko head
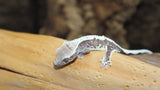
64 55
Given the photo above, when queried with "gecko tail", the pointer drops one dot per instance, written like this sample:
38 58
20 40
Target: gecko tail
138 51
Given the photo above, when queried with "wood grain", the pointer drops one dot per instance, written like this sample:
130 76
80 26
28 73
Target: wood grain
26 62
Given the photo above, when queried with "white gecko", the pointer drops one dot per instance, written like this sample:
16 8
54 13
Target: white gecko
76 48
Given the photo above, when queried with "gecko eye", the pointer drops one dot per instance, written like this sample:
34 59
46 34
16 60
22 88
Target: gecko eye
66 60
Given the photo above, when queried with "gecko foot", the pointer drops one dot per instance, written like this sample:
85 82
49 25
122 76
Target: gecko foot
104 62
80 56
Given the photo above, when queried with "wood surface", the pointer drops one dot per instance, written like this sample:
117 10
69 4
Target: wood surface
26 62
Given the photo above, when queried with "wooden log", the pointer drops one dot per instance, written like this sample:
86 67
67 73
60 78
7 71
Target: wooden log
26 62
149 58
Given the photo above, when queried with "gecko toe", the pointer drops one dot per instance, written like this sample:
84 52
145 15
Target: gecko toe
106 67
104 63
103 59
110 63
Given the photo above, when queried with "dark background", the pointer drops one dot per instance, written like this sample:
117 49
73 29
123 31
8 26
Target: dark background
131 23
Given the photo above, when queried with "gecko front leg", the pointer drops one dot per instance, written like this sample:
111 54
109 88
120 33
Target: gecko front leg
107 58
82 53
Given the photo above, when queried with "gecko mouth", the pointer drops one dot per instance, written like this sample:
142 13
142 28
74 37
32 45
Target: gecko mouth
60 66
56 66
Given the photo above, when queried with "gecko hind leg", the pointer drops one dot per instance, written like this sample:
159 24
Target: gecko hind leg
107 59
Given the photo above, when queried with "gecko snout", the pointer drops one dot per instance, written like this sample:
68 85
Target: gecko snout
57 64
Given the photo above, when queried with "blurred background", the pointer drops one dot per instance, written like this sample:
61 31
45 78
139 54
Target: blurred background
133 24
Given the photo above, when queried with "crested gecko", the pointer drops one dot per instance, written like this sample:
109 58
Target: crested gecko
77 48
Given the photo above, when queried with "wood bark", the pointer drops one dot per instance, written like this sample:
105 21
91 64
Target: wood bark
26 62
